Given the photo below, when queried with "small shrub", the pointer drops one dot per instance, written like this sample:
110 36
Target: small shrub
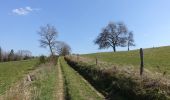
42 59
53 59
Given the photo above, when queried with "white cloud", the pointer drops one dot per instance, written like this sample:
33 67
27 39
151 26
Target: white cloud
24 11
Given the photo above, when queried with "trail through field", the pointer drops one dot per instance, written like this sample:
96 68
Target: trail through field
60 85
77 88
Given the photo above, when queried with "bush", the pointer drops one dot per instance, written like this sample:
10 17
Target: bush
42 59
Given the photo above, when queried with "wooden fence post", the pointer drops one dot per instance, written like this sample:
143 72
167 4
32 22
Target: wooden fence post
142 63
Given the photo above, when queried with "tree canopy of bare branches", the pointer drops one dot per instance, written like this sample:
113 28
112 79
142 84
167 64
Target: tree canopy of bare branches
23 54
11 55
63 49
130 40
48 36
113 35
14 56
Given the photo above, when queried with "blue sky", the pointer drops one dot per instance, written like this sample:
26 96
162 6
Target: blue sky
80 21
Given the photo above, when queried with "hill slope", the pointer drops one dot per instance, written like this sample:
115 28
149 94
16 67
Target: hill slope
156 59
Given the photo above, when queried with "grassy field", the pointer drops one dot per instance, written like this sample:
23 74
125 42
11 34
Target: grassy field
44 87
156 59
10 72
76 87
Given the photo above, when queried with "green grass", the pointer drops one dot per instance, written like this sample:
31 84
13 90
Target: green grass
77 88
122 81
153 58
44 86
10 72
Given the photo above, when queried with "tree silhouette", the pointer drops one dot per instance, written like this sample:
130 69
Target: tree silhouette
48 36
11 55
130 40
63 49
113 35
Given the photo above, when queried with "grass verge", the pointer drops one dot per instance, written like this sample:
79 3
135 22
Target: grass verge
76 87
43 88
123 81
12 71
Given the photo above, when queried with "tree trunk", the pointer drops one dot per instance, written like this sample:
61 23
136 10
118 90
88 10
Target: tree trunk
114 48
51 50
128 47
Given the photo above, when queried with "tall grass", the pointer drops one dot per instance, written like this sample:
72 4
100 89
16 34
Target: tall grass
39 84
12 71
43 88
125 82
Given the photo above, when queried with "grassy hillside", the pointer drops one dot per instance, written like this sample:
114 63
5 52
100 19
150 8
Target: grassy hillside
10 72
157 59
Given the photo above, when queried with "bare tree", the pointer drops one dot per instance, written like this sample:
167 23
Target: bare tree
130 40
113 35
11 55
63 49
5 56
23 54
48 35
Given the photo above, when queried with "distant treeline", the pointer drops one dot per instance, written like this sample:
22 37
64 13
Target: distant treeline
14 56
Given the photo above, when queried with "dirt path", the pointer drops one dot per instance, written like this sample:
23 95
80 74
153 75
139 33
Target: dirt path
60 87
76 86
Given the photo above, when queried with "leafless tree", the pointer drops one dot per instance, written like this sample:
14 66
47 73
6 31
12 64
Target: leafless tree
130 40
11 55
63 49
48 36
5 56
113 35
23 54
